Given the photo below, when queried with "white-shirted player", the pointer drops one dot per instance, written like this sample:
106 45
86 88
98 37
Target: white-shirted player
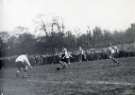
112 50
23 64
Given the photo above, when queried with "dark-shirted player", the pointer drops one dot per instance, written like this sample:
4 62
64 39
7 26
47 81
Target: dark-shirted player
64 59
82 55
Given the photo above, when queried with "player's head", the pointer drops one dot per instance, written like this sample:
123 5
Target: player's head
80 48
64 49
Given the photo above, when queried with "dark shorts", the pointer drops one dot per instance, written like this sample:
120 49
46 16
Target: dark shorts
111 55
82 57
1 64
65 60
20 65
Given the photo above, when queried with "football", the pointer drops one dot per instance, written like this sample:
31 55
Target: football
58 68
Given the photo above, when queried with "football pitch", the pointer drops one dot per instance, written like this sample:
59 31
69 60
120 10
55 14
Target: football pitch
100 77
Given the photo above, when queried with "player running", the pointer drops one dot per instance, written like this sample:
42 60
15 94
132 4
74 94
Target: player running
22 64
112 50
65 59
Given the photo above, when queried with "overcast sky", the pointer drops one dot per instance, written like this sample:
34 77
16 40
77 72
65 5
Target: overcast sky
107 14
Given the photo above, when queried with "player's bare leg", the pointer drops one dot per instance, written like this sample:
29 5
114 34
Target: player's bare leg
26 72
80 59
114 59
63 64
1 91
19 73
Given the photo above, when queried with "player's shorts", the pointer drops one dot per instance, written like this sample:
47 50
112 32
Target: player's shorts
111 55
82 57
65 60
20 65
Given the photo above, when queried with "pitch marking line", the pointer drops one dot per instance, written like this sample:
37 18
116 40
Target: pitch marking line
86 82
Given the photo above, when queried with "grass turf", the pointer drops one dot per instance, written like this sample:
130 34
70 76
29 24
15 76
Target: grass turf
79 79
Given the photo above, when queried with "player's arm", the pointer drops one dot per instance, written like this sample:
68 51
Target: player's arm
63 56
70 55
28 63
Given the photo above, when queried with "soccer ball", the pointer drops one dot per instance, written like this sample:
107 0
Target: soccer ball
58 68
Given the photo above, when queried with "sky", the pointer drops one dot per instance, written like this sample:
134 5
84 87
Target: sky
76 14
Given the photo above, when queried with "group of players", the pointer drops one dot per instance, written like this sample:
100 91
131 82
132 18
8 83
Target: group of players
23 64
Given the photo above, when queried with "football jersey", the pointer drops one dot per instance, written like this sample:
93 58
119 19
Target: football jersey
23 58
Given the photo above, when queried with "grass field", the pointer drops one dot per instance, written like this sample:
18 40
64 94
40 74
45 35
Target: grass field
100 77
